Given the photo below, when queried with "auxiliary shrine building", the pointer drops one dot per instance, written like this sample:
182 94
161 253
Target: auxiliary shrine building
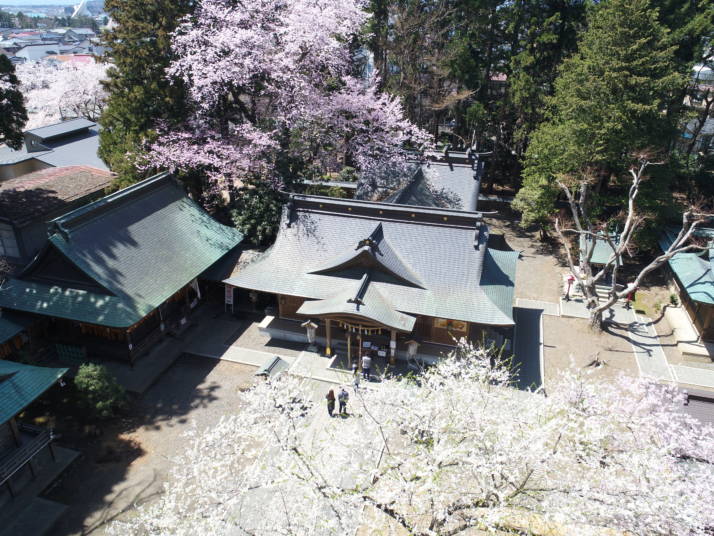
387 271
116 275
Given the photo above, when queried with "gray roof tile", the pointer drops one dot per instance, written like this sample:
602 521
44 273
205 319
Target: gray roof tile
462 280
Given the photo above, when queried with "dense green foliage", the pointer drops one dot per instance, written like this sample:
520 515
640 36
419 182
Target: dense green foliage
482 67
13 115
141 96
98 391
609 101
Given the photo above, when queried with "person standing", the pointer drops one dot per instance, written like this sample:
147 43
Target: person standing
330 402
355 376
366 365
343 397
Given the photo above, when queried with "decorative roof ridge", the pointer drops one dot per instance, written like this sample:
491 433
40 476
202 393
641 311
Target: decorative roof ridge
306 200
67 222
384 212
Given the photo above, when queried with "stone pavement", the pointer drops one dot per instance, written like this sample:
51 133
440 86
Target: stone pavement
528 345
651 359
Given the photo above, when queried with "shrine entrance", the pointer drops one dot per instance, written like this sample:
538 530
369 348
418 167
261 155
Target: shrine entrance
362 337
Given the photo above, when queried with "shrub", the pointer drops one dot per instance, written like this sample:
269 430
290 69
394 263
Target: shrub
674 300
98 391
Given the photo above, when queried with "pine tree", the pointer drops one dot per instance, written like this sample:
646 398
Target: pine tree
140 95
13 115
609 100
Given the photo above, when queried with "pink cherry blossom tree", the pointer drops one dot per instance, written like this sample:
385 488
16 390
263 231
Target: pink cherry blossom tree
57 91
454 450
272 93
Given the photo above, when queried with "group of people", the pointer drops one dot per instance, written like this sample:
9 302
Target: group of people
342 398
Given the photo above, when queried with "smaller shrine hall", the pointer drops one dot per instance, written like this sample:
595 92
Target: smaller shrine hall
118 274
366 270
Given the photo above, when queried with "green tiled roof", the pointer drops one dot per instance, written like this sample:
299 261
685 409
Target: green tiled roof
602 250
142 244
695 270
21 384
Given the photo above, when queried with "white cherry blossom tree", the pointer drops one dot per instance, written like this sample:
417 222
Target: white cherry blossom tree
57 91
449 451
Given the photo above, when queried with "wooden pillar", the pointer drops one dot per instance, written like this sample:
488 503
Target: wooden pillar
393 348
328 335
359 349
349 350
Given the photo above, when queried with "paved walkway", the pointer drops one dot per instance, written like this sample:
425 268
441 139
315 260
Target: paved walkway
651 359
528 346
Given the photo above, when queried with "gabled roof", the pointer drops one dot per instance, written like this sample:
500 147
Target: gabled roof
20 385
78 148
30 196
135 249
373 252
360 300
445 250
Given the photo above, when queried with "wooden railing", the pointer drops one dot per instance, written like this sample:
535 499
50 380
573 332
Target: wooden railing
23 454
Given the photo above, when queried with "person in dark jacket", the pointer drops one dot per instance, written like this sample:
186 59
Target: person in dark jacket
330 402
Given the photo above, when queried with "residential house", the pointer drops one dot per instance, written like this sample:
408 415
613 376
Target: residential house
37 52
29 201
69 143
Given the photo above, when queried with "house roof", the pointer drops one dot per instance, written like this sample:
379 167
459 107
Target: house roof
63 128
602 250
361 300
36 52
137 247
77 147
29 197
425 261
695 270
20 385
441 185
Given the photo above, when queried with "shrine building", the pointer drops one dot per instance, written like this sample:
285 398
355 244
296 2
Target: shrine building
382 270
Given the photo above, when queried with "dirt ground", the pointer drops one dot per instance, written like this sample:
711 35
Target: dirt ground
538 276
571 343
129 463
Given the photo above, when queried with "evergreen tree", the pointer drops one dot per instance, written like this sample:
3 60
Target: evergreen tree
140 95
609 101
13 115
